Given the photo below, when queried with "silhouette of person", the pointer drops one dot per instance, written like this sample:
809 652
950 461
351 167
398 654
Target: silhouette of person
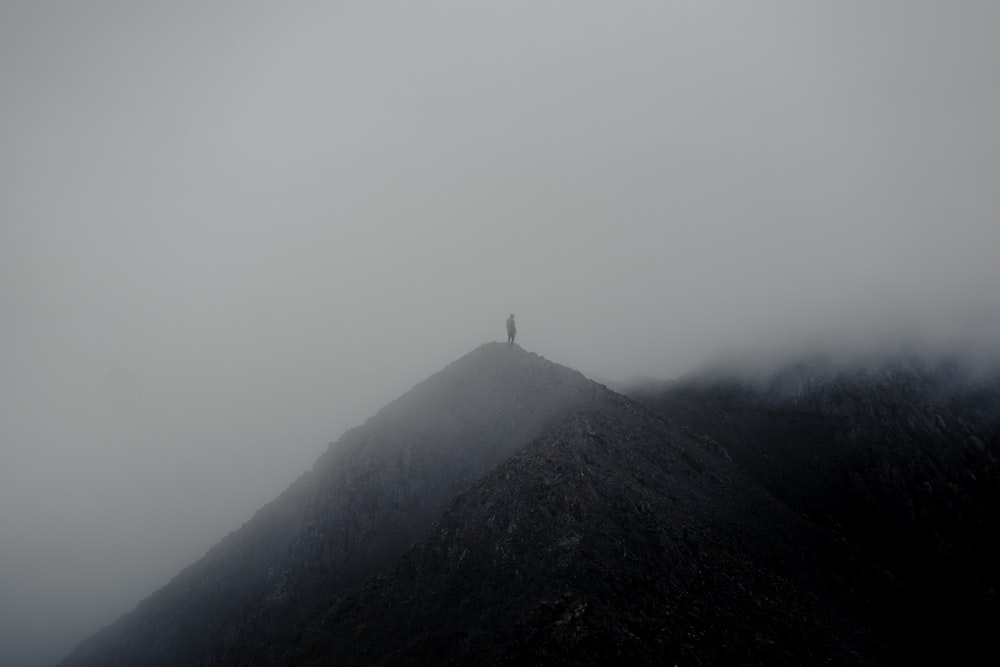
511 329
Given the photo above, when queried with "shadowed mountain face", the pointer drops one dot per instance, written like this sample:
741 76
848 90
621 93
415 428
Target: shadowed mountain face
615 541
900 458
507 509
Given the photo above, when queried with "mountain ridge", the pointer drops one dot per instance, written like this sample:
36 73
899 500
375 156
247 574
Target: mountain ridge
508 509
898 457
560 555
366 499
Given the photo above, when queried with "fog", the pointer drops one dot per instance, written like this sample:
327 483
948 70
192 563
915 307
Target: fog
230 231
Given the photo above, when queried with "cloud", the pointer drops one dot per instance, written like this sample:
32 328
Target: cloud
231 232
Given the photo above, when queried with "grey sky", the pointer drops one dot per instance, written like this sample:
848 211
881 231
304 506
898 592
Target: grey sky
231 230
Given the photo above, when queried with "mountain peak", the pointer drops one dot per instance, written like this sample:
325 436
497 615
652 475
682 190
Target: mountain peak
507 510
372 495
504 381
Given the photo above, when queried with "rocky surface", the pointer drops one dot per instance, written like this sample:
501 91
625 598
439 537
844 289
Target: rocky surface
368 498
901 458
611 541
507 511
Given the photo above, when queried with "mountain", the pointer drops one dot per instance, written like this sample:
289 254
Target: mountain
509 510
368 498
615 541
900 457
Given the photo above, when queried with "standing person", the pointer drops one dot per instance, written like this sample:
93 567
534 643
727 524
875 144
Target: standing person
511 329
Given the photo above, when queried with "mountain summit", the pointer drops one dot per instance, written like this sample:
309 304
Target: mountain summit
372 495
509 510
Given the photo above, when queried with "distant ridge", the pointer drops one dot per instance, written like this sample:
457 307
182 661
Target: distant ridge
900 455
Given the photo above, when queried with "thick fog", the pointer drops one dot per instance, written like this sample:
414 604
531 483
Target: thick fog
230 231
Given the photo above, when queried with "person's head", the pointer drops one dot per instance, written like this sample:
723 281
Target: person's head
512 316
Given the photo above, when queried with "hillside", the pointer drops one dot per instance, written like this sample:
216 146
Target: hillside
611 541
898 457
372 495
508 510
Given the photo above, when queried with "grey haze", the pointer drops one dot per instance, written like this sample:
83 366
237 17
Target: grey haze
229 231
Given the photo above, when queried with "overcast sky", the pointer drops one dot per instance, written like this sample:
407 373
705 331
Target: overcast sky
231 230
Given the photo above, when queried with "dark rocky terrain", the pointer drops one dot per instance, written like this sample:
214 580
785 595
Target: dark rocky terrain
507 511
900 458
371 496
610 541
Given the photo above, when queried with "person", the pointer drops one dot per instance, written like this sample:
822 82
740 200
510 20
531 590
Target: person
511 329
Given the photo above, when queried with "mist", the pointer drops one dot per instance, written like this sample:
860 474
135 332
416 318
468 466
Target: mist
230 231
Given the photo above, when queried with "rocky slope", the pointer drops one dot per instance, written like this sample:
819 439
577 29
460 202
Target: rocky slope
618 541
368 498
508 510
901 458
